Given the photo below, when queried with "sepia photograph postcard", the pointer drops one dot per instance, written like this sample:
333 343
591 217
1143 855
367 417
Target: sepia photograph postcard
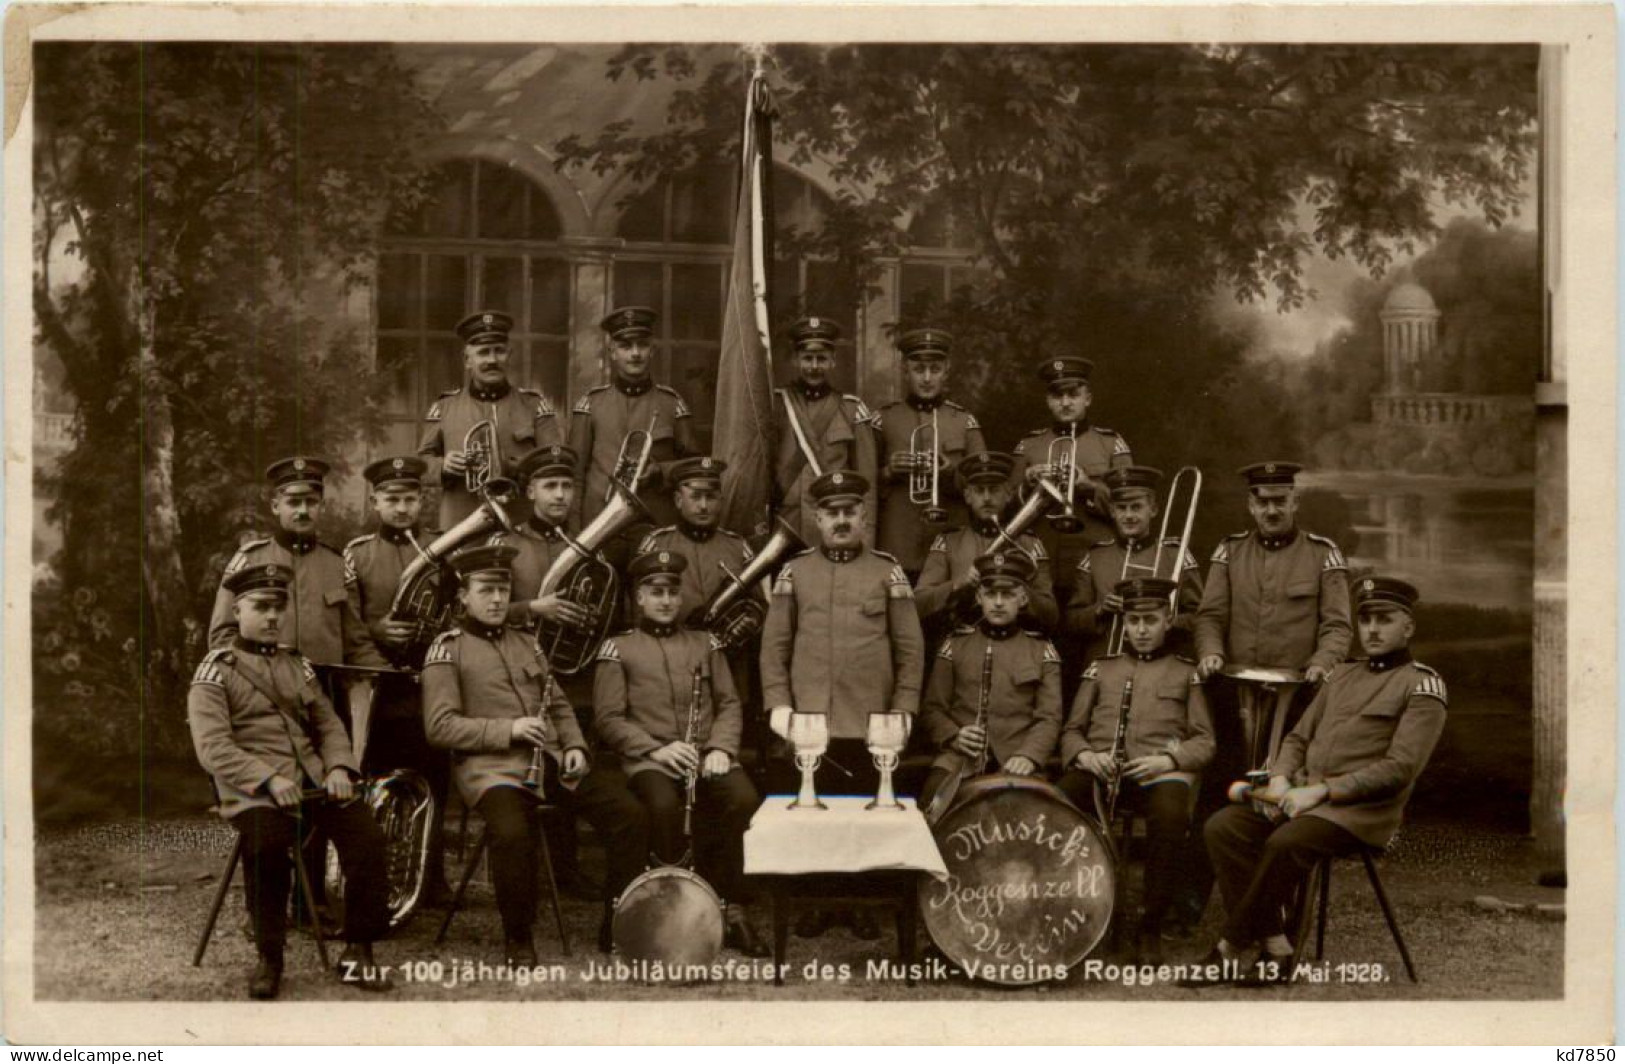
805 524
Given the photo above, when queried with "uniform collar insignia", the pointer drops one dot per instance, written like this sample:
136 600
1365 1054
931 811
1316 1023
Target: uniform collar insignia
996 631
631 387
1391 660
1130 545
695 532
391 534
483 631
489 394
1061 428
659 631
812 391
1285 539
840 555
543 529
295 542
988 527
264 650
925 405
1153 656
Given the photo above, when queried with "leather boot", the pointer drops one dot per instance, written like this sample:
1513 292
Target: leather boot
738 934
266 979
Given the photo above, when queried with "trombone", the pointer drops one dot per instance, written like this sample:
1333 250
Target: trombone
632 459
925 472
1063 463
482 455
1192 478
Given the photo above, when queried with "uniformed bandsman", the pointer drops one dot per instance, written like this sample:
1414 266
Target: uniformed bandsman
1339 783
373 565
817 431
489 698
264 730
646 714
904 530
318 621
631 402
1068 395
842 637
1130 552
524 418
547 477
946 593
1023 673
1169 740
697 537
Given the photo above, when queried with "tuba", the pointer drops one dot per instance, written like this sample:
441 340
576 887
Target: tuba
582 576
733 614
482 455
426 596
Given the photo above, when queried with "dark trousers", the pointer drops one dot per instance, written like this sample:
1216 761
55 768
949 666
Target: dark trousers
268 838
1261 863
1166 808
396 740
847 767
723 807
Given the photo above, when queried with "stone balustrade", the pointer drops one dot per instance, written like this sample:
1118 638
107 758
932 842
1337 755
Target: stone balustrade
1447 408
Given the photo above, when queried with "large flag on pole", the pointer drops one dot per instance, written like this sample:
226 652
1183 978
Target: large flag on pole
741 435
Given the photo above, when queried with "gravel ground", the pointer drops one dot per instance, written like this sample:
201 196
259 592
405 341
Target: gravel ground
120 906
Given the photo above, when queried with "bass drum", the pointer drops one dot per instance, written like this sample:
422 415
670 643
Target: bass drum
669 915
1031 882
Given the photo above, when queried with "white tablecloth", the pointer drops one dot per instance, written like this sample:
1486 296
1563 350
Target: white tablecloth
843 838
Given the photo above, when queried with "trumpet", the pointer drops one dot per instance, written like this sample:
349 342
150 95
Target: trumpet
632 459
925 471
1186 474
482 455
1063 463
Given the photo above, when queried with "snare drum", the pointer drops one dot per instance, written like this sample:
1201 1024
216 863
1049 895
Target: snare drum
669 915
1031 882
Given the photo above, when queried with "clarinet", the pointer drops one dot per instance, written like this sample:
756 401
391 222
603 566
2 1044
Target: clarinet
984 696
533 774
1119 750
692 779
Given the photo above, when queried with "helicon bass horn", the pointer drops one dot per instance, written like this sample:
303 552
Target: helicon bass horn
734 614
427 593
583 577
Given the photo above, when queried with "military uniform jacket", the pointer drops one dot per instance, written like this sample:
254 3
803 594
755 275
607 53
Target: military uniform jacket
243 735
1367 735
319 622
1167 715
949 562
839 431
373 565
842 638
1099 450
474 685
903 530
1286 608
539 545
642 687
524 419
600 423
1101 569
706 554
1024 696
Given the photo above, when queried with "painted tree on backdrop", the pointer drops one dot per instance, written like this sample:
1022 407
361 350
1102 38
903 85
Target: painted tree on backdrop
201 211
1112 193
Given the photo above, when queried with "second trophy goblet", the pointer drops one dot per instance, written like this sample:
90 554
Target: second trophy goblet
888 732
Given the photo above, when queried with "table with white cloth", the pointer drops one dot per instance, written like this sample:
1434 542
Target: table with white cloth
846 855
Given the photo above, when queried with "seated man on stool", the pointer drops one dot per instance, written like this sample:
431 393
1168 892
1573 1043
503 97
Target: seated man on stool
1167 741
265 731
1339 783
645 712
1018 672
486 688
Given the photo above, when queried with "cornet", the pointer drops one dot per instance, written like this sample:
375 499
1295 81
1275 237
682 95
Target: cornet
482 455
632 460
925 472
1063 464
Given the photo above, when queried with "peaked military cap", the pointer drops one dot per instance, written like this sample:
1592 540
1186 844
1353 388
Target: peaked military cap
1065 371
985 467
268 576
839 486
928 343
553 460
1262 474
629 322
1145 591
1013 564
485 327
1374 592
663 565
486 558
1128 480
402 468
814 331
288 472
700 467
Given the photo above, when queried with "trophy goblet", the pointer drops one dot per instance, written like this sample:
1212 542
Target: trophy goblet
809 735
888 732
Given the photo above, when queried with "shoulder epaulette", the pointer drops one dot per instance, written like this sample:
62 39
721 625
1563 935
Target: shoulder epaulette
1430 684
1033 546
951 405
940 543
1085 563
785 582
1102 543
1186 660
1092 672
609 650
240 559
682 407
715 643
364 537
889 557
304 665
1334 556
964 629
730 533
434 408
544 405
208 670
946 651
1104 431
1034 432
440 650
1051 655
863 412
897 585
648 540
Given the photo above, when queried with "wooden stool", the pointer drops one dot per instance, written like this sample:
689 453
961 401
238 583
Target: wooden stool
480 848
1318 888
302 884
